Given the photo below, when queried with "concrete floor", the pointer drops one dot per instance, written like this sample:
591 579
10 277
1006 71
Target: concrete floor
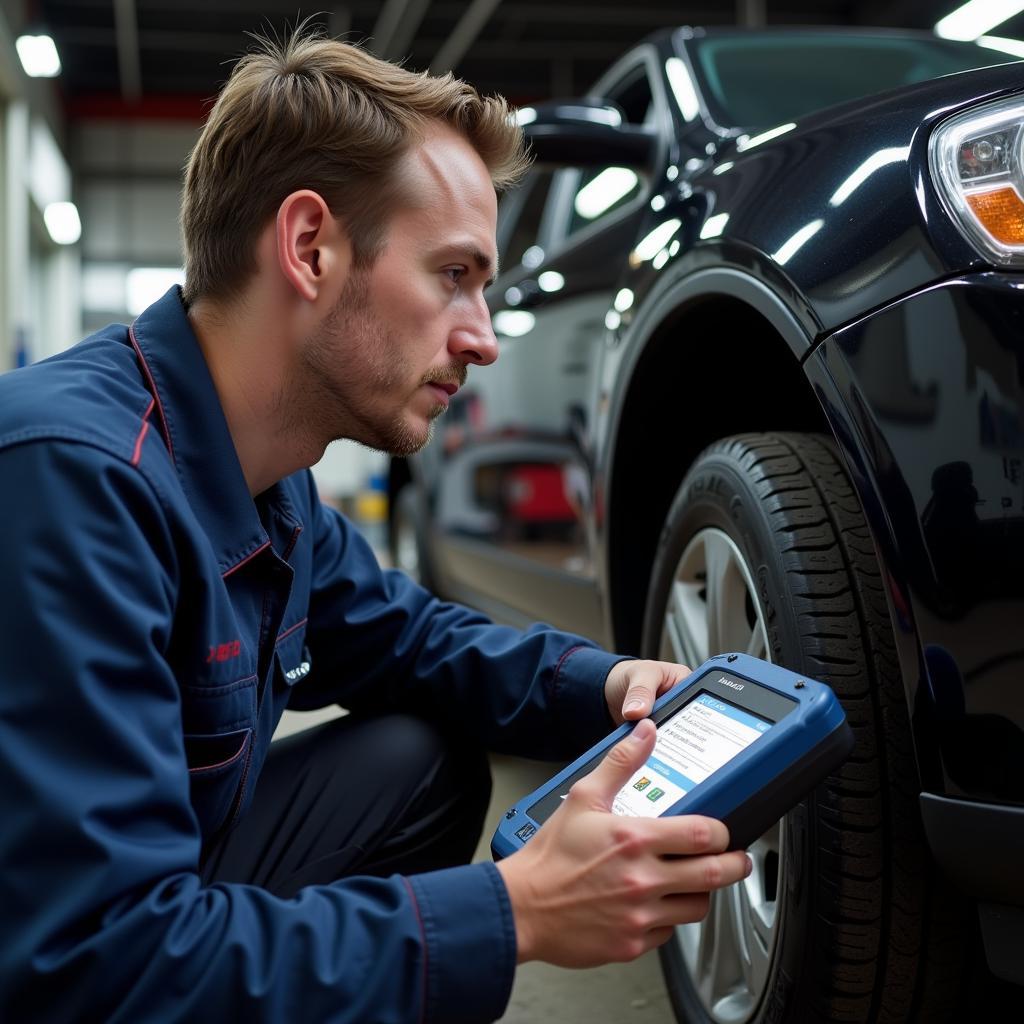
616 994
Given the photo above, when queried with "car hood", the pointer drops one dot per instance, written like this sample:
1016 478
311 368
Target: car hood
840 207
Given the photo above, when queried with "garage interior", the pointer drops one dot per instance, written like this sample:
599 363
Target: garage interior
91 155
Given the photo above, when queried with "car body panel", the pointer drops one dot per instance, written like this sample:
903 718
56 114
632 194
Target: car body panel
927 400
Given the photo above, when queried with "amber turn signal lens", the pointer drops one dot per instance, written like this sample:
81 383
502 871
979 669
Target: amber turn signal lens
1001 213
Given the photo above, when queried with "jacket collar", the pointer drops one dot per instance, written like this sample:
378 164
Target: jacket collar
197 435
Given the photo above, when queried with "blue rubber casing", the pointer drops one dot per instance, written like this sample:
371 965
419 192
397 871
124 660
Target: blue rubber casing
806 742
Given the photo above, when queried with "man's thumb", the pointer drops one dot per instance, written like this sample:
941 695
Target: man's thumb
624 759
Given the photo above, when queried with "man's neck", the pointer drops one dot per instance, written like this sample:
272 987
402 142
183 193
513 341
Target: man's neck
248 359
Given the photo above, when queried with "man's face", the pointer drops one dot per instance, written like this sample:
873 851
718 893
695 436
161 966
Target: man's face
395 348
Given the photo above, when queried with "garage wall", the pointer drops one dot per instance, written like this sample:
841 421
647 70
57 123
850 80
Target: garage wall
129 182
39 301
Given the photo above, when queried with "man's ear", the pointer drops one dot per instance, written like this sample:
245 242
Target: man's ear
312 247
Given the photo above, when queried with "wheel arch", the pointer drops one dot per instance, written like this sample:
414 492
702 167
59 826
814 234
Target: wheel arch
672 394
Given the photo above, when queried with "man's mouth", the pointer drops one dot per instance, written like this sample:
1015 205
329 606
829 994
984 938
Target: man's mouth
444 385
442 391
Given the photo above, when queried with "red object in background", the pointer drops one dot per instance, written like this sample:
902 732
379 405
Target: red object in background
536 494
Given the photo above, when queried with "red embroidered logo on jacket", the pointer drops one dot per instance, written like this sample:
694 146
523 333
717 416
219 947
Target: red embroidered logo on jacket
224 652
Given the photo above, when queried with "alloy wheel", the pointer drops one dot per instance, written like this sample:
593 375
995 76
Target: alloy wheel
713 607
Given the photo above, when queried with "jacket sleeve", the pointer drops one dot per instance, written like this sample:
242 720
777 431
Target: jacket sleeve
379 640
104 914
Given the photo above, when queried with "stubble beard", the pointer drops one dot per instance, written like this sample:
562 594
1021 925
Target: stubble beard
353 405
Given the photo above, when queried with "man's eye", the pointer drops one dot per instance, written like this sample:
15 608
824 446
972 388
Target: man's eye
455 274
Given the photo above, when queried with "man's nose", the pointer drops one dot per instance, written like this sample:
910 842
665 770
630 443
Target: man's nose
473 340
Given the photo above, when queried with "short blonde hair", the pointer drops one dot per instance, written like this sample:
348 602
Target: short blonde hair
320 114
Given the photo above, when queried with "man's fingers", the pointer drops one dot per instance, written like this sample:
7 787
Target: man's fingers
645 682
639 698
688 834
705 874
681 909
619 764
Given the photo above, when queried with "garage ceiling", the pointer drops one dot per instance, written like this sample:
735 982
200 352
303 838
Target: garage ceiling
138 56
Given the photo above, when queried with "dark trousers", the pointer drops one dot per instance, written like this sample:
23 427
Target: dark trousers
356 796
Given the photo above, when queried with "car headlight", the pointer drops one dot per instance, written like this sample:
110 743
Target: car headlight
977 163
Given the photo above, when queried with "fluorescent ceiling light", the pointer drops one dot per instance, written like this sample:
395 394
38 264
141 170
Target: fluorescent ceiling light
792 245
513 323
63 223
656 240
611 185
525 116
875 162
533 257
144 285
38 56
1015 47
744 143
551 281
682 88
599 115
976 17
623 300
714 225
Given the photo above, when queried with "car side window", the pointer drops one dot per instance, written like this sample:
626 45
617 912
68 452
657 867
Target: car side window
601 191
521 226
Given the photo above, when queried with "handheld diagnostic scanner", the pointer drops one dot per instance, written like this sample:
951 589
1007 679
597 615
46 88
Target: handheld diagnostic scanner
739 739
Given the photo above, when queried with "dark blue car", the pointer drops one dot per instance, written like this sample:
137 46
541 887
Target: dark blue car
761 388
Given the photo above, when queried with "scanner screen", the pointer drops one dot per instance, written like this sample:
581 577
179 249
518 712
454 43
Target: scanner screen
703 736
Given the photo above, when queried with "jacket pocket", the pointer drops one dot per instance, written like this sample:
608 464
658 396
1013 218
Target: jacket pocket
216 770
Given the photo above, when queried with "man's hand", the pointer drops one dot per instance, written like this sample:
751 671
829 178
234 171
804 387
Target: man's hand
632 686
593 887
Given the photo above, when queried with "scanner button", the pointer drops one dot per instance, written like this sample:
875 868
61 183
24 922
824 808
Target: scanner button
526 831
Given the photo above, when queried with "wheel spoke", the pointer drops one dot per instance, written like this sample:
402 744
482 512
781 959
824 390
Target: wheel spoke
729 998
686 624
712 948
717 561
759 897
757 647
754 940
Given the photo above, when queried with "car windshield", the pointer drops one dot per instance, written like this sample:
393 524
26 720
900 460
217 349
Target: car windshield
760 80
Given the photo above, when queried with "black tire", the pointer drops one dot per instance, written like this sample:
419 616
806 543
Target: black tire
863 930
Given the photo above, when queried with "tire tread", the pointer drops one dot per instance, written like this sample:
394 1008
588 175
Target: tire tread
883 946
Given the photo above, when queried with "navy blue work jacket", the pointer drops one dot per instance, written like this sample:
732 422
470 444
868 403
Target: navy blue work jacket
155 620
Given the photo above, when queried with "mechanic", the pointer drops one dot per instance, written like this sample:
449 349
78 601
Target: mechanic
172 583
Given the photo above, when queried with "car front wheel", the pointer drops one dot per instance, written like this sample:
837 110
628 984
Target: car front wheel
765 551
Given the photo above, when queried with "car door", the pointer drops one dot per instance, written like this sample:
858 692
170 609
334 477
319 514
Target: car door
513 500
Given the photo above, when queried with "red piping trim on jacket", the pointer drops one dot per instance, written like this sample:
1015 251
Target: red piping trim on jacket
238 565
423 936
137 450
291 544
291 629
228 760
562 660
153 390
